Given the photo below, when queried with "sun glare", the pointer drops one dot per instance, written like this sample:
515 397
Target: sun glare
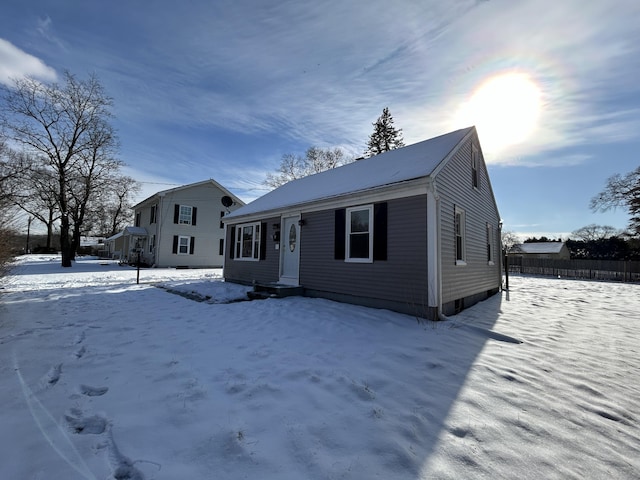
505 109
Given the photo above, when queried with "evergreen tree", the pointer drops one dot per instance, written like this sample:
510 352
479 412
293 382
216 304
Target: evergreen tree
385 136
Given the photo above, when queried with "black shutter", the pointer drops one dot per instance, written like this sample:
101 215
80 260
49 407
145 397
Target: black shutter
194 211
175 244
176 213
339 234
232 242
192 245
263 241
380 231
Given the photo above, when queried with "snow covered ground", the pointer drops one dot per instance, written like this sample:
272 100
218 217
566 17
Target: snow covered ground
102 378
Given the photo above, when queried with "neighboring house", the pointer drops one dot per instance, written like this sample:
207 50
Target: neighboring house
179 227
554 250
415 230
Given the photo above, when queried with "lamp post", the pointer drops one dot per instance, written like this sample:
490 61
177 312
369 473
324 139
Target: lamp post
29 220
138 249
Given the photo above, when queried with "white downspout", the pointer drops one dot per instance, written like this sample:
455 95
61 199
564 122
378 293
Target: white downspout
434 277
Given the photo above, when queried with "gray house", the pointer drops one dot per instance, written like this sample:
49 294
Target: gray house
415 230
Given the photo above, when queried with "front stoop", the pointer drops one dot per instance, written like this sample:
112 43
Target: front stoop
274 290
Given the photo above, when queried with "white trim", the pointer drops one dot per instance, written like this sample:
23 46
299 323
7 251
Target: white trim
410 188
463 235
348 233
434 279
180 237
283 239
255 242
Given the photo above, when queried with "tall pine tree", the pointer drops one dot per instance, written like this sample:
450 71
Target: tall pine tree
385 136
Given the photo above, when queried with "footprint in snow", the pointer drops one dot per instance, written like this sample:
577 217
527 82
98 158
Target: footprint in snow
86 425
93 391
52 376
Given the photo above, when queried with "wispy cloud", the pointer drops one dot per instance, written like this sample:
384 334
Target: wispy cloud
16 63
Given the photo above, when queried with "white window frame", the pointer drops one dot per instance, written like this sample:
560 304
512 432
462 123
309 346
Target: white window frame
459 231
185 218
475 174
347 257
180 245
490 244
255 242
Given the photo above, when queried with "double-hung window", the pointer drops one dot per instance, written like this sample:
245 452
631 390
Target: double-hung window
459 231
183 245
247 242
185 214
490 244
474 167
359 234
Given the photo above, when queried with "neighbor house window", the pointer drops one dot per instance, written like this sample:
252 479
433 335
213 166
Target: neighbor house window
474 166
183 245
459 230
490 244
247 242
359 238
185 214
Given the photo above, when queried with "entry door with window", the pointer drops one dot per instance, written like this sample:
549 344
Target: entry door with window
290 251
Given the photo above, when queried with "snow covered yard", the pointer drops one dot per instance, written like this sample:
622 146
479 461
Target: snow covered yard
102 378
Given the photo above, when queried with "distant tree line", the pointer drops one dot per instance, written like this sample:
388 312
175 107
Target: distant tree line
598 242
58 160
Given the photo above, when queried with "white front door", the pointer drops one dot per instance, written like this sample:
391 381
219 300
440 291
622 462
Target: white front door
290 251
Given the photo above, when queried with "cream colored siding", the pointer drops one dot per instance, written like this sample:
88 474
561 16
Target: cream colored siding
206 233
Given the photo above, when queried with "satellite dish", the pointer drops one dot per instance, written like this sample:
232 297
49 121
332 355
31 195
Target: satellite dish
226 201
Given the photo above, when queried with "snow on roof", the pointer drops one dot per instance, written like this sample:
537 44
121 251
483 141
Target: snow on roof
135 231
407 163
540 247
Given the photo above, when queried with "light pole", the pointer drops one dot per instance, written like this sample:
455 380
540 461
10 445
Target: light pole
28 233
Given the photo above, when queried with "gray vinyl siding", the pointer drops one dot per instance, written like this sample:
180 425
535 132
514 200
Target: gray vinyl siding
249 272
454 184
401 279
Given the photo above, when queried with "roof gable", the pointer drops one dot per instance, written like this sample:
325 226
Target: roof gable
211 181
407 163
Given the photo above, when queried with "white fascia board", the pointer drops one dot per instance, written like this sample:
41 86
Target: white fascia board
409 188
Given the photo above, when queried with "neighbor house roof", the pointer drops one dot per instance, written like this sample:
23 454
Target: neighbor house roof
539 247
211 181
407 163
131 231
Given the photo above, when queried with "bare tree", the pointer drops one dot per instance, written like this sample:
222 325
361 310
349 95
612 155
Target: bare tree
316 160
621 191
111 208
509 240
594 232
66 125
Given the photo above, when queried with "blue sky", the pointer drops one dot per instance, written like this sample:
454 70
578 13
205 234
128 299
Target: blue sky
222 89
